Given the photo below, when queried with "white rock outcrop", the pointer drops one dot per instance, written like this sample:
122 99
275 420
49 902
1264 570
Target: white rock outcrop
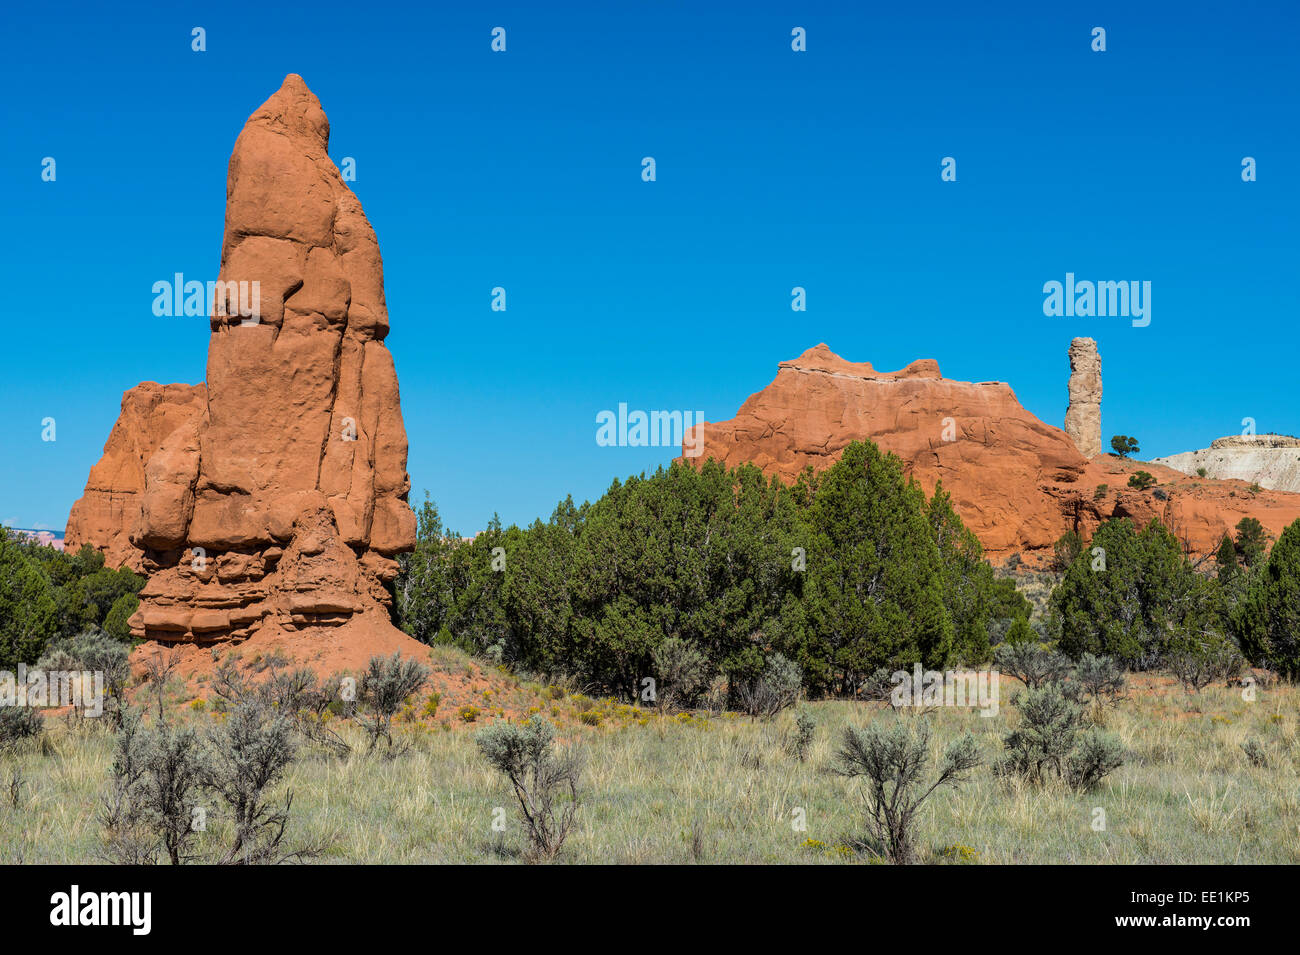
1269 460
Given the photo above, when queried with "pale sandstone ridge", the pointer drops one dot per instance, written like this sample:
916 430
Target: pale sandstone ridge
283 502
1017 482
1269 460
1083 417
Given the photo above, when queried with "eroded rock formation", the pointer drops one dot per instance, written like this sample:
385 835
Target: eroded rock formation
1018 483
1083 417
109 511
283 501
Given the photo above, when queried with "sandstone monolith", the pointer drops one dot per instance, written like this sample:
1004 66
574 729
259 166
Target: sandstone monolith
1083 417
283 503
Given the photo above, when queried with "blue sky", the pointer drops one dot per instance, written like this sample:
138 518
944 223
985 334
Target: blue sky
774 169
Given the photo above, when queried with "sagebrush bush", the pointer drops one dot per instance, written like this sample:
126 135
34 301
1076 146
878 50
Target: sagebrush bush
805 731
1198 661
544 781
770 692
298 695
877 687
893 763
1032 663
18 723
1099 683
682 670
1049 740
387 682
129 836
166 779
1049 725
157 778
1101 679
158 667
1095 756
92 650
248 753
1255 753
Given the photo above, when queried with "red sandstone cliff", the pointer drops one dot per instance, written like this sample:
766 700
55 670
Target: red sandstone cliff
1017 482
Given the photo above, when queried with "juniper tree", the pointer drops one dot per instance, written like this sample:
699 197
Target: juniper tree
1123 445
1142 480
1267 620
875 590
1251 541
1129 593
841 572
27 609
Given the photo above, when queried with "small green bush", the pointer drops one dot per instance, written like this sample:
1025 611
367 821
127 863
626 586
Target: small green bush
1142 480
773 690
1030 662
805 731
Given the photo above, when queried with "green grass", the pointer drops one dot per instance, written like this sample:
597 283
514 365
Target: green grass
723 790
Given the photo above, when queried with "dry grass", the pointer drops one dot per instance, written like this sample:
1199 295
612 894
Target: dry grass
667 789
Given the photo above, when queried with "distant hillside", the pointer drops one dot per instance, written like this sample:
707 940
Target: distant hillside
48 538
